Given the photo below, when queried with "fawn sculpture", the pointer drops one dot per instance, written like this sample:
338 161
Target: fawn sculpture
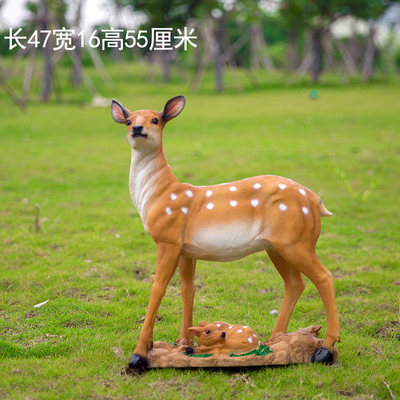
219 337
221 223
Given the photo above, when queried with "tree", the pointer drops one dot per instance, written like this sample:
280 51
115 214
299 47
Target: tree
294 13
164 14
372 12
318 15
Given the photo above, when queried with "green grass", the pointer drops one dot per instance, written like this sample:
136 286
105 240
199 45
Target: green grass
69 163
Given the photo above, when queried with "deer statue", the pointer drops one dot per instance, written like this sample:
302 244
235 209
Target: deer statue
222 222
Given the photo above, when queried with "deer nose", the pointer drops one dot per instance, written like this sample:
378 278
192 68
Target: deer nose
137 128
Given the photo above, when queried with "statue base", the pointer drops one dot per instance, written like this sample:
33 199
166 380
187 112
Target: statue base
291 348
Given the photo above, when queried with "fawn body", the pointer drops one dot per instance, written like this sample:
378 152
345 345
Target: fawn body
222 223
222 338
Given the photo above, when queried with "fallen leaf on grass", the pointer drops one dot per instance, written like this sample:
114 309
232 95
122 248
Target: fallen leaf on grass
41 304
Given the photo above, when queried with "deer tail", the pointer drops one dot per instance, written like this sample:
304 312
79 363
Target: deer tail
323 211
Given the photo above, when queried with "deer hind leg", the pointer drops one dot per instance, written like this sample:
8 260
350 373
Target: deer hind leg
187 268
167 260
307 262
294 286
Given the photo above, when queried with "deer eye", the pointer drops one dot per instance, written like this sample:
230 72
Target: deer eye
128 122
207 332
154 121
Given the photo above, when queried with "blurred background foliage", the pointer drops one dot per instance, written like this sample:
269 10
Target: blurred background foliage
358 39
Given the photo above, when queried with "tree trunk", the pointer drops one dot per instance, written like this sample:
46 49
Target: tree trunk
218 59
354 45
259 48
369 57
292 55
316 66
166 65
77 58
47 52
77 65
254 59
115 54
328 56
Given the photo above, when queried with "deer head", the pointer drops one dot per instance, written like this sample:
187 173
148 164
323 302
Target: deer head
144 127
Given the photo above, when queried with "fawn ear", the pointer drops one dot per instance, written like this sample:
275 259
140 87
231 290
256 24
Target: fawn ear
201 324
195 330
173 108
119 113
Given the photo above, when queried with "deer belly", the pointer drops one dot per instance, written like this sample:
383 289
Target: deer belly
224 242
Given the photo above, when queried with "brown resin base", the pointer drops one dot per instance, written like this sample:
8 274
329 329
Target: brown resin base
291 348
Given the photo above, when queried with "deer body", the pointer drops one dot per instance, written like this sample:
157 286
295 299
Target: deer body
228 221
221 222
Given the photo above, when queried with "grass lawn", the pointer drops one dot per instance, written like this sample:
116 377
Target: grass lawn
70 234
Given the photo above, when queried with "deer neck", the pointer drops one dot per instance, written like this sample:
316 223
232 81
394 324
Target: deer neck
149 177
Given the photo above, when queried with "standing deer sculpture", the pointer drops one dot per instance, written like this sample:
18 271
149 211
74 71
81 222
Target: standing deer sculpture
222 222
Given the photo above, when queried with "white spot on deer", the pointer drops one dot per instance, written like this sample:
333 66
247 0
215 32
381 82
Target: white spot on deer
239 331
173 196
250 339
259 343
230 326
302 191
283 207
254 335
282 186
185 210
257 185
305 210
233 203
254 202
189 193
219 325
168 211
209 193
233 188
245 326
210 206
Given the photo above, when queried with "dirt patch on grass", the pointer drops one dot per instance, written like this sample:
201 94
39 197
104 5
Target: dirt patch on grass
78 324
339 273
76 293
388 330
346 393
7 331
30 314
53 339
141 273
186 389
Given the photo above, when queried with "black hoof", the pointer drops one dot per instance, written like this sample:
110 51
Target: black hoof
189 350
323 355
138 362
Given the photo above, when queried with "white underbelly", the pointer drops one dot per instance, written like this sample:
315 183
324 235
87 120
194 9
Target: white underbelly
225 242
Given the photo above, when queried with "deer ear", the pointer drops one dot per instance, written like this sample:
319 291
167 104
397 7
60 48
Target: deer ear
195 330
173 108
201 324
119 113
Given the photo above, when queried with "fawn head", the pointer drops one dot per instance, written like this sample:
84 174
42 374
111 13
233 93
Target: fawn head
144 127
208 334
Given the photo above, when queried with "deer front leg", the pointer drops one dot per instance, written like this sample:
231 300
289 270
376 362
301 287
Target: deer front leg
167 260
187 268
